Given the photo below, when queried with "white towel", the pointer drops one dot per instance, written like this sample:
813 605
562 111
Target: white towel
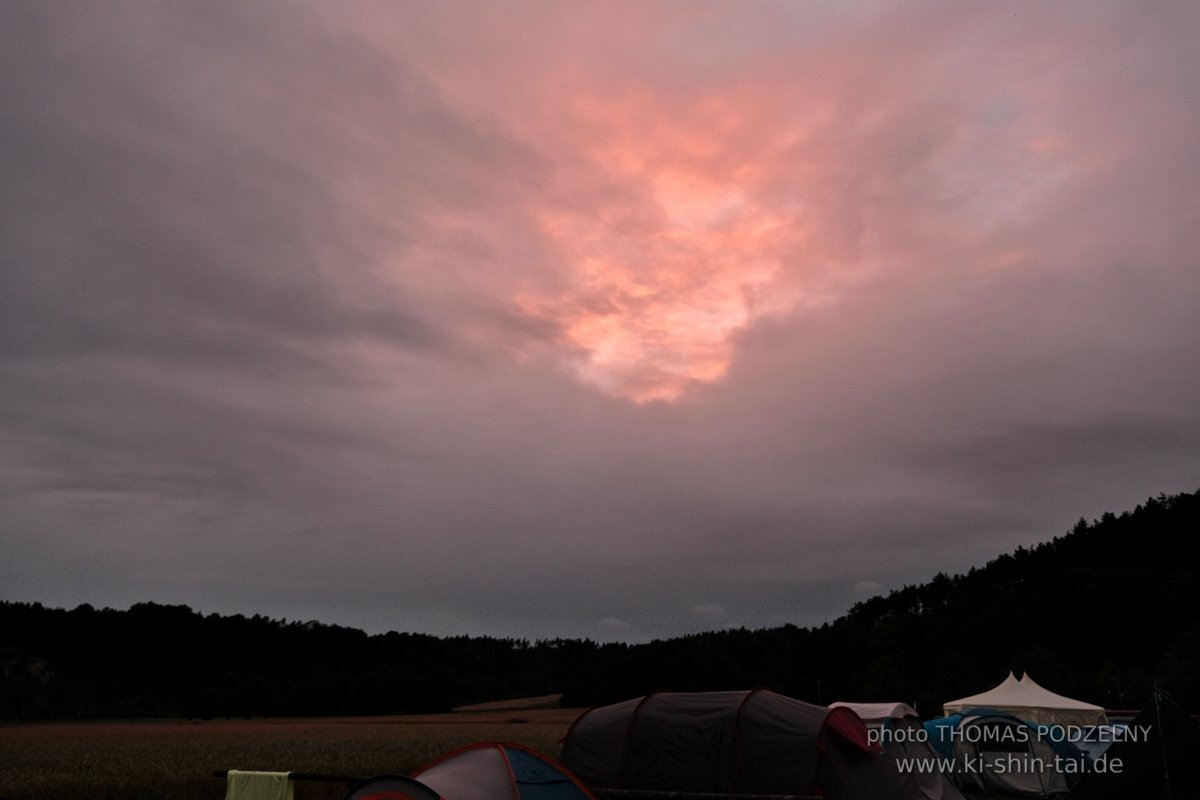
247 785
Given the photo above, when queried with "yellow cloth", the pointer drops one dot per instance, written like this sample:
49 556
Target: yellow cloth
246 785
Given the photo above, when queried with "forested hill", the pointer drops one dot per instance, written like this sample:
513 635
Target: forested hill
1103 613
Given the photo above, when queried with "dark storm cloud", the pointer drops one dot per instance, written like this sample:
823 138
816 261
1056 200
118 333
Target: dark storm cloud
182 184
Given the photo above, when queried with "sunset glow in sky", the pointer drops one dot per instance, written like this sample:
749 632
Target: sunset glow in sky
682 248
652 309
617 320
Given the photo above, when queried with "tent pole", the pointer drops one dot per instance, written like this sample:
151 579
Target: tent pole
1162 739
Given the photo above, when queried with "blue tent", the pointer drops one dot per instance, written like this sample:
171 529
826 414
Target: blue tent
997 752
942 739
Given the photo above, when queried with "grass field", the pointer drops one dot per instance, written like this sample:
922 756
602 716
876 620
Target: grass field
174 760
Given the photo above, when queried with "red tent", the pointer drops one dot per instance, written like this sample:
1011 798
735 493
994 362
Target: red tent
500 771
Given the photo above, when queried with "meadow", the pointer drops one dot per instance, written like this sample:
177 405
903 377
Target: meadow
175 759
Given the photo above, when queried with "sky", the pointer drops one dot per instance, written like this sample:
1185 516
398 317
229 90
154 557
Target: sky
616 320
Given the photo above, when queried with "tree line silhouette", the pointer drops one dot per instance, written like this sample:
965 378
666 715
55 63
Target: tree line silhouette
1105 613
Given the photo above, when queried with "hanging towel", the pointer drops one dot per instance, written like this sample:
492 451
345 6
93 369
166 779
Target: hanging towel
246 785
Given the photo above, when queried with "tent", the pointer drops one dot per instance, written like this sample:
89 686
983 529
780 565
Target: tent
1155 760
1028 701
750 742
996 752
390 787
500 771
897 727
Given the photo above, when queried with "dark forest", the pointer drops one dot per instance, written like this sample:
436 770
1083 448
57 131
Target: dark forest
1105 613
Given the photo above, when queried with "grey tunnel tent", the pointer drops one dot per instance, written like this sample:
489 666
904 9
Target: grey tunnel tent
744 742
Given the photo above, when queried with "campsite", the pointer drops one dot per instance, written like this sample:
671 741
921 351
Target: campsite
749 744
161 701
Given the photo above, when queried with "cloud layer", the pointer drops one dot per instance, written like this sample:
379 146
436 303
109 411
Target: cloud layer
611 320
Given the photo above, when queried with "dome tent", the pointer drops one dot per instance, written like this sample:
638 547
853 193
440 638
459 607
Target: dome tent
907 749
500 771
1026 700
748 742
993 751
390 787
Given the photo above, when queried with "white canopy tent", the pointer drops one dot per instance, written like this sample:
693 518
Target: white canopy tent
1026 700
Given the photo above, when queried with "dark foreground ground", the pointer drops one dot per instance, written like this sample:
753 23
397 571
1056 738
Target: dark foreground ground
174 760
